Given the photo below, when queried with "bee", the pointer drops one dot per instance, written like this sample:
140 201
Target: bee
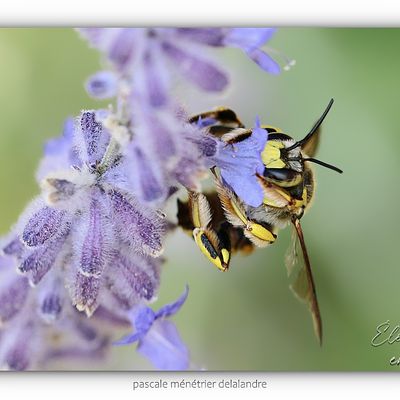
222 223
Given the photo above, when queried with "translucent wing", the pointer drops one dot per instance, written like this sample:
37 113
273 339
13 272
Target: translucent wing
311 146
302 282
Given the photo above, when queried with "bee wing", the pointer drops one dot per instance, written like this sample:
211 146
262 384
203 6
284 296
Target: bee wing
299 269
311 146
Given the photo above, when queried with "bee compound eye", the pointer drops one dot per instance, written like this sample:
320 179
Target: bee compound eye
281 174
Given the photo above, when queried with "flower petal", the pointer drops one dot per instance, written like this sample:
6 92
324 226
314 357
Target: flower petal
172 308
132 279
142 318
122 48
94 35
239 164
84 291
141 228
248 38
164 347
90 138
42 226
207 36
51 307
152 79
246 188
151 186
201 72
128 339
6 262
14 248
102 85
261 58
18 354
94 238
39 261
59 153
59 145
51 299
13 293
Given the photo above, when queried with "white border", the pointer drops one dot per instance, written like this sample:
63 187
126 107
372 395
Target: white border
200 12
120 385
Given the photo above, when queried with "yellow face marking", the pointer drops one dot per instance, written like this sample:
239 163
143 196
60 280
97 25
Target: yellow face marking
207 248
271 155
260 232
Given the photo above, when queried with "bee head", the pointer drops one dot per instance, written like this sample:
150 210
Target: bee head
284 157
303 144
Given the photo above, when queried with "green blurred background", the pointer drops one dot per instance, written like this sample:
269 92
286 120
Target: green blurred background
248 319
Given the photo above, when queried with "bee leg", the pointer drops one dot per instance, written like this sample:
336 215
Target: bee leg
259 233
209 242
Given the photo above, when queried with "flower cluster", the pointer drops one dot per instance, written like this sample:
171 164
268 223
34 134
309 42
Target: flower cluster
89 245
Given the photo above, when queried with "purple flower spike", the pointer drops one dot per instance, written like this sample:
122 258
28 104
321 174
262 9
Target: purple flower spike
146 58
158 339
42 226
102 85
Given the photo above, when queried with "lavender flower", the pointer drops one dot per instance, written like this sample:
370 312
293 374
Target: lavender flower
157 338
239 163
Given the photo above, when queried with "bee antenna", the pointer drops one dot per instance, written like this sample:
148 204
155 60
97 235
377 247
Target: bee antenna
314 160
313 129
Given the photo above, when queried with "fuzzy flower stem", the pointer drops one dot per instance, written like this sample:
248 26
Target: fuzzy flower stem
111 153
